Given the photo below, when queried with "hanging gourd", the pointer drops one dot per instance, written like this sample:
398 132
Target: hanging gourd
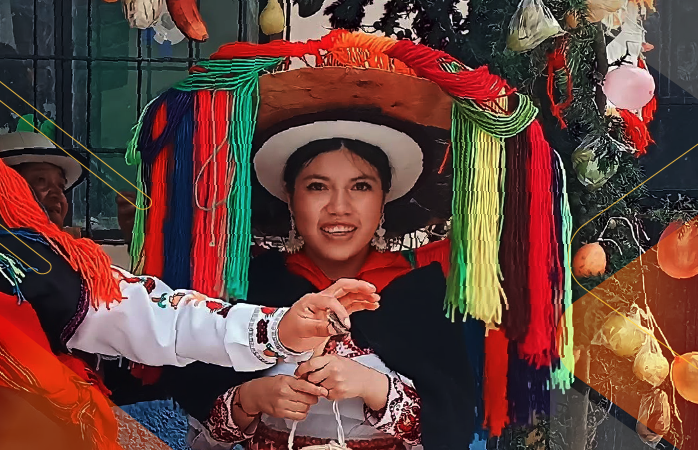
589 261
653 418
684 374
621 334
587 162
142 14
272 20
185 14
677 250
650 365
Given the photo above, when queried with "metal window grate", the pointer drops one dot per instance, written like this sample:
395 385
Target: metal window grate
66 40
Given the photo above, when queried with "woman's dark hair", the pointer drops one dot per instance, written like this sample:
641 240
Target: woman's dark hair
368 152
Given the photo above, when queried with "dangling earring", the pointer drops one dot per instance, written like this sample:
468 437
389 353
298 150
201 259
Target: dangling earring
378 240
294 242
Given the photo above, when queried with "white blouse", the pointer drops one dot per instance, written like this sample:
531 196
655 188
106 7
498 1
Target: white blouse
156 326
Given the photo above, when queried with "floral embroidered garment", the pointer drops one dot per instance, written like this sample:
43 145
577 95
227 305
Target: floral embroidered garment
394 427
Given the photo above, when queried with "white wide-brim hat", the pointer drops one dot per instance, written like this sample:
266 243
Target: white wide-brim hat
28 147
404 154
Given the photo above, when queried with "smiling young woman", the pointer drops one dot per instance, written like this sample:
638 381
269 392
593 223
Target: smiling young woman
336 194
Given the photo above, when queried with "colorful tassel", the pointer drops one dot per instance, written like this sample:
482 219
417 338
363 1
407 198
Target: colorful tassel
515 247
536 348
563 376
636 131
178 226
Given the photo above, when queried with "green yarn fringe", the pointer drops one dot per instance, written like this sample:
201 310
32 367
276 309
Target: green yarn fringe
462 138
133 158
500 126
467 119
13 270
563 376
242 77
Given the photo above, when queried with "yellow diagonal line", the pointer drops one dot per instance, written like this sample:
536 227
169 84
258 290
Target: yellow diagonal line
569 262
79 143
50 267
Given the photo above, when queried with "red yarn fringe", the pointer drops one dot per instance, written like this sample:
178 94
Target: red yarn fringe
495 382
278 48
154 245
537 347
209 234
558 61
636 131
479 84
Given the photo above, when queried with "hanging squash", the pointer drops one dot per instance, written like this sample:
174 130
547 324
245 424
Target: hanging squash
589 261
684 374
650 365
185 14
272 20
621 335
677 250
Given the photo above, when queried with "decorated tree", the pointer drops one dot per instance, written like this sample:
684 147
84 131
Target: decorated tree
563 53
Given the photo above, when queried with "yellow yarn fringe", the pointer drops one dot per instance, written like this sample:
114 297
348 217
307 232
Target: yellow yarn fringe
484 292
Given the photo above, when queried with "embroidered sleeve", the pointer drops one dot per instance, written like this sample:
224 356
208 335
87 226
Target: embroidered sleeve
264 336
157 326
221 425
400 416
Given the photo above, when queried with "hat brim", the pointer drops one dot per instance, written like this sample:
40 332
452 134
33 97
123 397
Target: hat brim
74 166
284 95
404 154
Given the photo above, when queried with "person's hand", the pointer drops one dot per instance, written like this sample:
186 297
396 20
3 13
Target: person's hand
307 324
126 212
345 378
280 396
75 232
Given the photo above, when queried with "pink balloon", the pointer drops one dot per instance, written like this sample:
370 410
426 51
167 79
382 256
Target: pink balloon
629 87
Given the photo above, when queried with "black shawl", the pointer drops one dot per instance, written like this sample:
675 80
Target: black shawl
409 332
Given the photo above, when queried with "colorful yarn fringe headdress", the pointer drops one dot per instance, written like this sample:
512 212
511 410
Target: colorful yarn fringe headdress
193 144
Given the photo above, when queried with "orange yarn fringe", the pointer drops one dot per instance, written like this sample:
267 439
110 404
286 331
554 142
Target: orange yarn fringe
19 209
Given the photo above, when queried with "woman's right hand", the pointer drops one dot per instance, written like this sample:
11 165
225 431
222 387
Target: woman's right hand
307 325
280 396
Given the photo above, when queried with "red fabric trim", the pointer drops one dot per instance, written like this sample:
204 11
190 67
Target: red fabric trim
28 364
379 269
439 251
495 382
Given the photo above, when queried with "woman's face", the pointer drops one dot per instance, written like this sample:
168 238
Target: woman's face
337 205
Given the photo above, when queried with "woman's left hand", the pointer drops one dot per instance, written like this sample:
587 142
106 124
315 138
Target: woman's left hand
345 378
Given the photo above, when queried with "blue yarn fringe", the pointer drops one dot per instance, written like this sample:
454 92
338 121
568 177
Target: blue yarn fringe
178 104
177 227
474 331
